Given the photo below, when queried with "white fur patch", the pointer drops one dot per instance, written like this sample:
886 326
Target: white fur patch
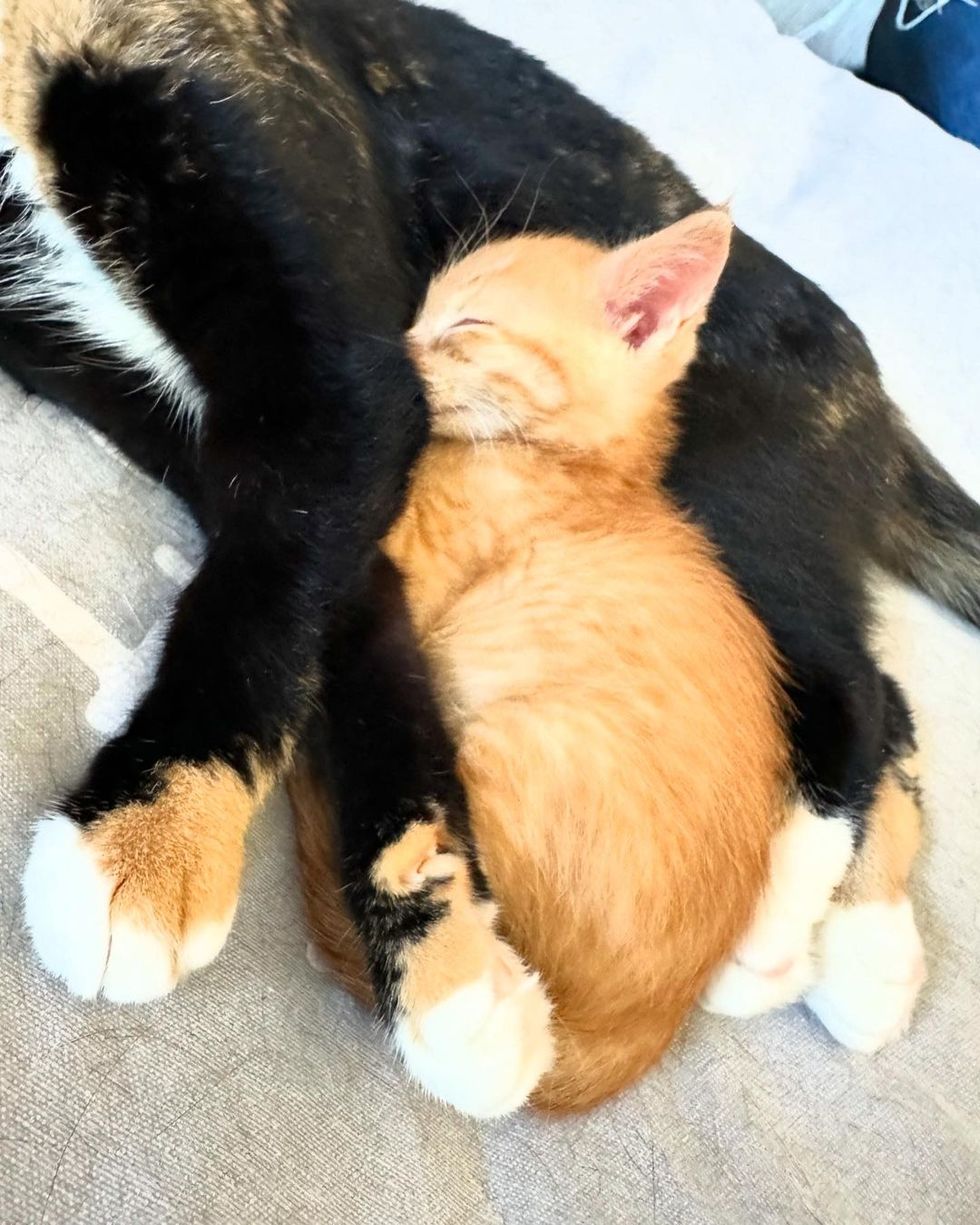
79 938
203 943
60 278
737 991
871 971
772 965
484 1048
66 905
142 964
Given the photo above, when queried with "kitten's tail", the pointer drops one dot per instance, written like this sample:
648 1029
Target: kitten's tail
334 943
593 1065
930 533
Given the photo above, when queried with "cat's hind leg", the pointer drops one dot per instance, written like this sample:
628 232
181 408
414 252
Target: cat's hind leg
842 742
835 925
773 964
871 965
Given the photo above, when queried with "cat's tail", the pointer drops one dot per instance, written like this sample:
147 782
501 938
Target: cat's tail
929 533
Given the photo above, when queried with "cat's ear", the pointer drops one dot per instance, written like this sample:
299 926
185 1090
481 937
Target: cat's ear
653 286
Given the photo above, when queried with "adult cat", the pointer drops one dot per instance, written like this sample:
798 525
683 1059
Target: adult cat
613 700
241 203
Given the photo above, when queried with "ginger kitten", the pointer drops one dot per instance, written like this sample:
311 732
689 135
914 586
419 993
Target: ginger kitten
614 700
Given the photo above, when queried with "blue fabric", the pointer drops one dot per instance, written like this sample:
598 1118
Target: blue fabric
935 65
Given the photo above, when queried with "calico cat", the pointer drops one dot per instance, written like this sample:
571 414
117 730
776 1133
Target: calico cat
219 217
616 705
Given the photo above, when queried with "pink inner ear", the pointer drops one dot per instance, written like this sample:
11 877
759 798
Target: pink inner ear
653 286
644 317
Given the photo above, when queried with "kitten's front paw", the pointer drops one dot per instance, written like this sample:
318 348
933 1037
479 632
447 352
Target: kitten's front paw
472 1022
127 903
871 971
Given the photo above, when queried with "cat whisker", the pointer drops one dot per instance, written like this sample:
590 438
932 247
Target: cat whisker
537 195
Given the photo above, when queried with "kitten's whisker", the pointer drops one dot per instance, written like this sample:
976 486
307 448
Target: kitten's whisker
537 195
479 205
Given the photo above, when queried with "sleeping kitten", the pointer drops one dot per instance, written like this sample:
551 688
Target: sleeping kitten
614 700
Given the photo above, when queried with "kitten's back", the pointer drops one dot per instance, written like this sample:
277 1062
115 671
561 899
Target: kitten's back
624 766
623 753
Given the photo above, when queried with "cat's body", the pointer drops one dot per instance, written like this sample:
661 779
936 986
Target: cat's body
248 198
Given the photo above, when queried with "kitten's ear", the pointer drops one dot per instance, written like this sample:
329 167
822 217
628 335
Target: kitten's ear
652 287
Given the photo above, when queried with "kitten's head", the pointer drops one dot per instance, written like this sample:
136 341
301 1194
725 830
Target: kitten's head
554 340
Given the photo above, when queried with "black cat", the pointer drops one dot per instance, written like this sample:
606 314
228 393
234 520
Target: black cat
236 203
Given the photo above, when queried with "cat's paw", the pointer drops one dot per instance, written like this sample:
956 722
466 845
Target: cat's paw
126 904
472 1022
871 969
742 987
772 965
484 1047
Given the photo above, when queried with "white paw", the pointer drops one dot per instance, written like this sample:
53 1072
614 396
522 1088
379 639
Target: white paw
772 965
86 934
485 1047
739 989
871 970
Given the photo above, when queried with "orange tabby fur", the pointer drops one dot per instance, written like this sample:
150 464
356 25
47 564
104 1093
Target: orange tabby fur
615 701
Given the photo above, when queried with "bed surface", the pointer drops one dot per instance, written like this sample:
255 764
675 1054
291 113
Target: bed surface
257 1092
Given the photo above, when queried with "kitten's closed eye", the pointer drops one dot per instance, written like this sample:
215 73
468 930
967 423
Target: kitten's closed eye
467 323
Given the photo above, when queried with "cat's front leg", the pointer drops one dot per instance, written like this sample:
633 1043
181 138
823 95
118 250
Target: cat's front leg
123 901
132 881
470 1020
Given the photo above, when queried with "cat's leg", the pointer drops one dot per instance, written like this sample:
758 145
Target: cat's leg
773 963
303 437
842 743
870 961
469 1019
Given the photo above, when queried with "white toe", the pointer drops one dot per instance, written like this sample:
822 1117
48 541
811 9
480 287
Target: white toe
141 966
871 971
738 990
66 905
484 1048
81 937
203 943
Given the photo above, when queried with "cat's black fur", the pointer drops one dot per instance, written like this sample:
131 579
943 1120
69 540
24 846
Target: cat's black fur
284 252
